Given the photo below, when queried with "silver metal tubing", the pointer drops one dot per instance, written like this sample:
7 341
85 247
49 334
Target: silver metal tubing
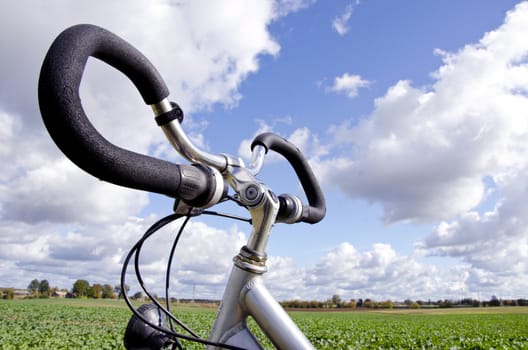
257 159
179 140
162 107
272 318
186 148
263 218
230 325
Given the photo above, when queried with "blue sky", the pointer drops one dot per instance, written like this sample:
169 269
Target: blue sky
411 113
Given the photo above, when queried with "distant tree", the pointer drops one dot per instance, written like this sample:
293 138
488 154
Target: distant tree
7 293
137 296
314 304
351 303
413 305
445 304
44 289
388 304
336 301
119 292
494 301
33 286
466 301
80 288
359 302
368 303
53 290
108 292
509 302
522 302
96 291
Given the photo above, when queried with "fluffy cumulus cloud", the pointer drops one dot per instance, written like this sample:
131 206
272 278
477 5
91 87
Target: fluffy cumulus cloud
380 273
435 153
202 55
424 151
203 258
96 253
307 141
341 23
446 152
348 84
50 212
493 243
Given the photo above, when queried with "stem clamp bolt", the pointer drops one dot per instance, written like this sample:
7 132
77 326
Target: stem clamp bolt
252 194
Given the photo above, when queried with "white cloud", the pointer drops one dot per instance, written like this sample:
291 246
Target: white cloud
495 243
283 7
379 273
349 84
303 138
203 260
340 23
197 46
59 192
423 152
96 253
285 279
52 213
439 153
6 134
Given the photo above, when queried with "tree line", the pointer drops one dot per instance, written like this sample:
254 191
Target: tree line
83 289
337 302
80 289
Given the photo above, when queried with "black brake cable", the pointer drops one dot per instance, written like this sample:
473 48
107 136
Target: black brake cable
136 249
140 278
228 216
167 274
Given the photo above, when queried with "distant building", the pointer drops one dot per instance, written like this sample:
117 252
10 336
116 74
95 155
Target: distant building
59 294
21 293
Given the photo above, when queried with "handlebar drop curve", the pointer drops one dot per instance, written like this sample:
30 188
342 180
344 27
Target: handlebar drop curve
70 128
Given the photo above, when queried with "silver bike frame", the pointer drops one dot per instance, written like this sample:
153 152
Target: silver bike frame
245 294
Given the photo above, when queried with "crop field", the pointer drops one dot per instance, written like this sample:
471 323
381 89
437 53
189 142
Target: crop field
93 324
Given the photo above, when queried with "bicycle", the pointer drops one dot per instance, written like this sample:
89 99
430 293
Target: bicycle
195 187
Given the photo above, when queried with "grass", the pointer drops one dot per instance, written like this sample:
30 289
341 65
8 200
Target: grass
90 324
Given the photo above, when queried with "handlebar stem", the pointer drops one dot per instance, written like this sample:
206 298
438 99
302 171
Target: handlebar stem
263 217
262 204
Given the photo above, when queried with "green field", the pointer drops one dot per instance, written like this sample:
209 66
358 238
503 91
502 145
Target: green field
92 324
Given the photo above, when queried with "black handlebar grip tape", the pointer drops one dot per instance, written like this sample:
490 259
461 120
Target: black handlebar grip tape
316 210
68 125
